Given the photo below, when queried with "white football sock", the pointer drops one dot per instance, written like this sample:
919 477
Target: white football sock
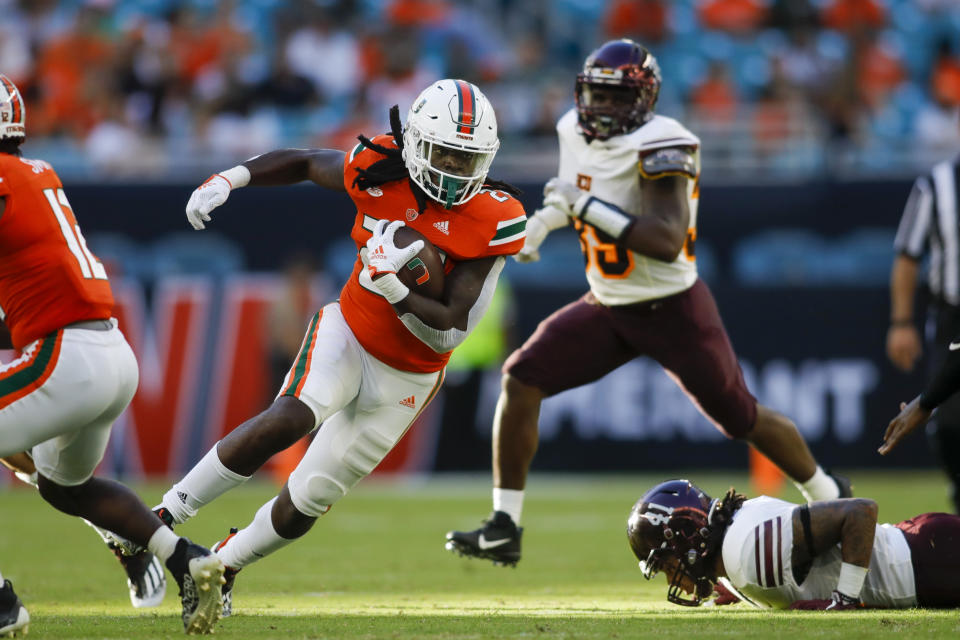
1 579
163 542
510 501
819 487
255 541
207 481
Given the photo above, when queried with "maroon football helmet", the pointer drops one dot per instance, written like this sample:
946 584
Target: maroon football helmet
617 89
671 521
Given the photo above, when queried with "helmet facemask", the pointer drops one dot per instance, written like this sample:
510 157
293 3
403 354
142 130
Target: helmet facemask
669 530
683 549
449 173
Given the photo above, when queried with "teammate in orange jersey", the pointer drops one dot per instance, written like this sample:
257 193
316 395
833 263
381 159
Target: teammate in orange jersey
372 361
75 375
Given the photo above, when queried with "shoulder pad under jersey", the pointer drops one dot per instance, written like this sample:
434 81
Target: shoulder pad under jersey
661 132
668 161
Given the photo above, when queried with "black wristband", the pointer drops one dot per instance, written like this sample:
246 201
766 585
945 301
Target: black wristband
807 530
901 323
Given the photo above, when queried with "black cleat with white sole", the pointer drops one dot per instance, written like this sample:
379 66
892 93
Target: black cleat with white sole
497 540
199 573
14 619
145 577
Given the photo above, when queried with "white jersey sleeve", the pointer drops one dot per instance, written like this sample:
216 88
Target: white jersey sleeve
757 556
612 170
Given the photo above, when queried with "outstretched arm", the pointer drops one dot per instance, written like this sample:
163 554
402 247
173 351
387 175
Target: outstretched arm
284 166
915 414
849 522
288 166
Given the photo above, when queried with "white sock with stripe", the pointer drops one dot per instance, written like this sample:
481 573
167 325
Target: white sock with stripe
208 480
255 541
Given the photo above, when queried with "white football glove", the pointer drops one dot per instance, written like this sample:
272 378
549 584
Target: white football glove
542 222
562 195
382 255
205 198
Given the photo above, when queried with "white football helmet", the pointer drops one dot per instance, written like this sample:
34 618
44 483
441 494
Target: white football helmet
449 141
12 110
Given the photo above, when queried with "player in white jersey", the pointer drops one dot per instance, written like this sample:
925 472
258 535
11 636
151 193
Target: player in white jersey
628 181
829 555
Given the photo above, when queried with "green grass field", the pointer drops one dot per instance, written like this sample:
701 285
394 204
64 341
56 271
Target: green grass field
375 567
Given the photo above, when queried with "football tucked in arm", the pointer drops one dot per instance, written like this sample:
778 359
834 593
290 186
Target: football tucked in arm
423 273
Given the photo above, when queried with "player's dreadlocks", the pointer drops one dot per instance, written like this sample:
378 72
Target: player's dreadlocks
392 167
722 515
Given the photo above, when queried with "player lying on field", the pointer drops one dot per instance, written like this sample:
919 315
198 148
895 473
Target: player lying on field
829 555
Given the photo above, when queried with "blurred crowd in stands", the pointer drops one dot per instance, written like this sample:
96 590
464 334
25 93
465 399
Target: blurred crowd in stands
152 88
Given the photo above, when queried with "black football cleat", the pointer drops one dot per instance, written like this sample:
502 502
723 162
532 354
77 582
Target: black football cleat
145 577
199 573
843 484
497 540
14 619
229 576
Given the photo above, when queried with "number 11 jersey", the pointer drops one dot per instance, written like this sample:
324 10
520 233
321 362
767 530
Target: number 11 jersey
48 276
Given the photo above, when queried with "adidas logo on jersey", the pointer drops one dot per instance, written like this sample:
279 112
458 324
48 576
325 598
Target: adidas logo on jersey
410 402
443 227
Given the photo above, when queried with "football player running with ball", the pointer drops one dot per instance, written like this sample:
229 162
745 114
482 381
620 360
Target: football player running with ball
829 555
371 361
75 375
628 182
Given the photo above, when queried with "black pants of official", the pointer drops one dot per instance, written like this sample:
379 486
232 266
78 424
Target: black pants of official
943 432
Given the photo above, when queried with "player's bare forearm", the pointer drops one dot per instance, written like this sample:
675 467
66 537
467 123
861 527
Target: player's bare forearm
662 229
903 285
463 287
289 166
849 522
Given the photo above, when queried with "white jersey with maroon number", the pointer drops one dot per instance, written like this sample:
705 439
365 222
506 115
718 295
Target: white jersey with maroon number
609 169
757 556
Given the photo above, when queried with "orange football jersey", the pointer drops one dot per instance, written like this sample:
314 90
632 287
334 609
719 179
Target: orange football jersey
48 277
492 223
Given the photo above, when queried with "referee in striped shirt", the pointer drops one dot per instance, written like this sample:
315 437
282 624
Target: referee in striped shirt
930 225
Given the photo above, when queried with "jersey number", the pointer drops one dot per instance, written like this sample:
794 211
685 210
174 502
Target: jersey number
90 267
599 251
499 196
